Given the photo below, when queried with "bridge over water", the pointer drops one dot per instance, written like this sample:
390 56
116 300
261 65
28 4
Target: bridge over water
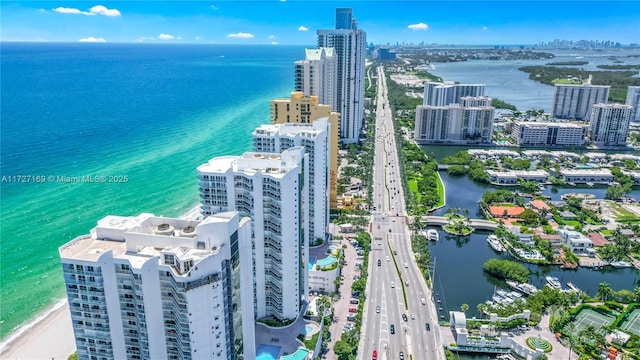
478 224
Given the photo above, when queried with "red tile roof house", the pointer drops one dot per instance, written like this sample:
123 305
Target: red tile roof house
539 205
511 211
597 239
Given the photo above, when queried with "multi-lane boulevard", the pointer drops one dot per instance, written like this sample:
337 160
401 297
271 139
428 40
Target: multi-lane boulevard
392 267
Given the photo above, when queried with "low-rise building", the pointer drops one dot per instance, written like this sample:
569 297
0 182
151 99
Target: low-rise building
577 242
511 177
597 239
323 274
544 134
587 175
526 239
483 154
505 211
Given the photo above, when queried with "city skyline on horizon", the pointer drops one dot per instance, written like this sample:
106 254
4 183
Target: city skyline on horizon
296 22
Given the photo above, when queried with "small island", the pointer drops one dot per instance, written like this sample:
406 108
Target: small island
568 63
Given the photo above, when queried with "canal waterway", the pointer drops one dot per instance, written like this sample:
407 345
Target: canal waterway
459 278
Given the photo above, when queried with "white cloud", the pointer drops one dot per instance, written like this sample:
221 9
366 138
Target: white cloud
101 10
303 28
166 37
96 10
418 26
64 10
484 28
213 7
92 39
198 38
274 43
42 10
241 35
271 37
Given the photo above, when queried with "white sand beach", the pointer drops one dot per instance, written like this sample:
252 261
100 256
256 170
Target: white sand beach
49 338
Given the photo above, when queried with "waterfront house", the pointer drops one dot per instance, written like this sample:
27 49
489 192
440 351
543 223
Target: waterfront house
512 177
577 242
526 239
597 239
568 215
504 212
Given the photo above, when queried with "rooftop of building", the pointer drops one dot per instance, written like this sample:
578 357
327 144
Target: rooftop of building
545 124
583 85
291 129
499 211
597 239
274 164
585 172
540 204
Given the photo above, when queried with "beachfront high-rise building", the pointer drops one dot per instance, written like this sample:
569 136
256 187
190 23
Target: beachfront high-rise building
349 44
315 139
467 122
301 109
148 287
633 99
270 189
316 75
555 134
575 101
610 124
449 92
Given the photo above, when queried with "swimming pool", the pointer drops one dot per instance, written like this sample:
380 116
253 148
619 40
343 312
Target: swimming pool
307 329
268 352
328 261
300 354
312 261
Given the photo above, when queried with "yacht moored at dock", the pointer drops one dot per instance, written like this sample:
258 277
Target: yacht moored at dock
553 282
495 243
432 235
524 288
621 264
571 286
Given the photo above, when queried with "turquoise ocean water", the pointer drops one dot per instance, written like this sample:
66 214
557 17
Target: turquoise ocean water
152 113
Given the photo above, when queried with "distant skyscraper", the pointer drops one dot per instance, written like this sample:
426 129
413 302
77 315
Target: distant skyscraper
467 122
345 19
269 188
443 94
350 49
316 75
633 99
315 139
575 101
610 124
305 110
150 287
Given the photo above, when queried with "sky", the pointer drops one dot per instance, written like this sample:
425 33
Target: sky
291 22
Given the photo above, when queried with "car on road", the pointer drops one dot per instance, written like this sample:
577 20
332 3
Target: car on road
393 284
404 317
374 356
422 300
392 329
354 301
378 309
406 265
427 326
395 252
379 262
401 355
353 310
387 258
378 225
413 316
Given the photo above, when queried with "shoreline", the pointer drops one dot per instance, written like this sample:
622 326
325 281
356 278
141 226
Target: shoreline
50 334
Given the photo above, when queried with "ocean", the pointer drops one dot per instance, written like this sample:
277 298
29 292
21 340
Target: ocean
137 119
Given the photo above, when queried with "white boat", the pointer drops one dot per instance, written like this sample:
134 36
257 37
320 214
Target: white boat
524 288
590 184
495 243
501 293
541 187
497 299
621 264
553 282
432 235
514 295
572 287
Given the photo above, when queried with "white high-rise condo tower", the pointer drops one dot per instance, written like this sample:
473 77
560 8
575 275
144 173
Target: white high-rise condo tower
270 189
468 122
575 101
610 124
314 137
149 287
316 75
349 44
633 99
449 92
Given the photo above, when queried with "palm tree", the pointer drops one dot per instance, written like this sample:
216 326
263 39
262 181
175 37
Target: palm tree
481 308
464 307
571 328
636 293
604 291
